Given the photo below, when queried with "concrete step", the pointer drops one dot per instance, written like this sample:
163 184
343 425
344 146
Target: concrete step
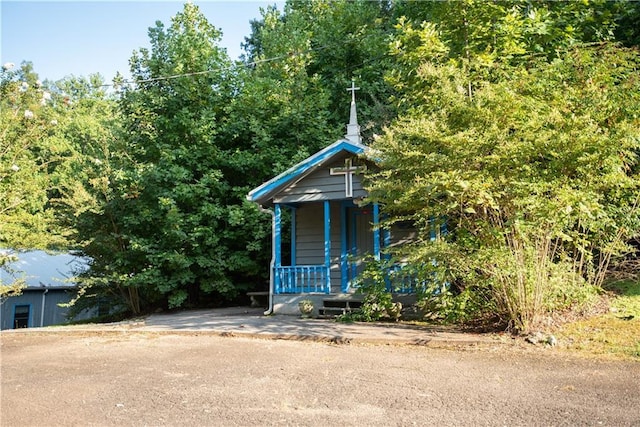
332 307
347 303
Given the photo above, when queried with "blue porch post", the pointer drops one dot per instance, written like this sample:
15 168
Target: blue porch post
376 231
277 241
327 243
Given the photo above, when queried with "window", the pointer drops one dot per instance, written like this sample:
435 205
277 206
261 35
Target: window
21 316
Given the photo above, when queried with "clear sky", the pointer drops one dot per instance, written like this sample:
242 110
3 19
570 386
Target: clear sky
64 38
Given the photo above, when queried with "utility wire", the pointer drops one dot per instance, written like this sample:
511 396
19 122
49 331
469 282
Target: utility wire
198 73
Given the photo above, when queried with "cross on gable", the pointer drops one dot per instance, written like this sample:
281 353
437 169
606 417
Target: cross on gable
348 170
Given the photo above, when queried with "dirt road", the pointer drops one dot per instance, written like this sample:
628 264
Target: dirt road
147 378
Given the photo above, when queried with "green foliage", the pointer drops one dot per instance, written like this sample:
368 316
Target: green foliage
329 43
52 136
503 30
32 157
173 227
373 283
535 172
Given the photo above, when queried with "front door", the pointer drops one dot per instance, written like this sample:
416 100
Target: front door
21 316
359 241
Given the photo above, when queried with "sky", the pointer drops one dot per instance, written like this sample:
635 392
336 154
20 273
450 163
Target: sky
63 38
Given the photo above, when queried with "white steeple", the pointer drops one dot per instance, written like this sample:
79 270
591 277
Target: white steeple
353 129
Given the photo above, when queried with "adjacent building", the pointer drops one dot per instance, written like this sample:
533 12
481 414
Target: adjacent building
49 283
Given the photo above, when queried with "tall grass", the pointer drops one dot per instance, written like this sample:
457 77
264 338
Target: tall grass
530 277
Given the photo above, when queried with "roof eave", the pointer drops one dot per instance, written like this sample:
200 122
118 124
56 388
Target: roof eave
262 194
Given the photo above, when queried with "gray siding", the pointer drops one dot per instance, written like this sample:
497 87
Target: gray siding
310 234
310 238
320 185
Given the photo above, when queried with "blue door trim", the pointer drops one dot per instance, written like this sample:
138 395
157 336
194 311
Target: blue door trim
344 248
376 231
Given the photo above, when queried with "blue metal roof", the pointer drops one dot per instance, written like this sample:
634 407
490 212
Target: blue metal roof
266 191
40 269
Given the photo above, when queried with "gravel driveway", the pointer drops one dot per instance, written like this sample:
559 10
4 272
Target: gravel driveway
157 378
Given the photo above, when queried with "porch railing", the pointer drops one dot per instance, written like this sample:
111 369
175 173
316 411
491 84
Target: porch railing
301 279
403 280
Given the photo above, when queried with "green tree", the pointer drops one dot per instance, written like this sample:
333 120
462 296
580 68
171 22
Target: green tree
30 152
44 134
535 175
329 43
174 228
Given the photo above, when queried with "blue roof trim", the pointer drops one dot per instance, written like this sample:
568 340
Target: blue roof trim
303 167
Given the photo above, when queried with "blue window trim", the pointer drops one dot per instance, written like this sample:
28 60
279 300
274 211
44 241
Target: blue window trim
293 173
278 236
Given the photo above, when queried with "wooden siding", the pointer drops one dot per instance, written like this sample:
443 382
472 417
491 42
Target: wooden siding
320 185
310 239
310 234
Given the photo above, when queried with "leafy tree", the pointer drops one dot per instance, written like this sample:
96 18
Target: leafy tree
477 35
29 155
17 285
535 174
44 133
30 151
92 126
280 114
331 43
173 228
504 29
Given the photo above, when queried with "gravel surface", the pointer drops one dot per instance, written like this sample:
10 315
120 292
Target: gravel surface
138 378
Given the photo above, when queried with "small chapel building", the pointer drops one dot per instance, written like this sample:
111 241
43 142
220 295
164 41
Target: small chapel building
331 227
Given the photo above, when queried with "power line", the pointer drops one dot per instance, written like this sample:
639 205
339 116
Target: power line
197 73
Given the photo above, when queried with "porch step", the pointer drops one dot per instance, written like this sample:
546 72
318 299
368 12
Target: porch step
332 307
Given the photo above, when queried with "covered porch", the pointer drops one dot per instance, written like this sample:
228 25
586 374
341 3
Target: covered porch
328 240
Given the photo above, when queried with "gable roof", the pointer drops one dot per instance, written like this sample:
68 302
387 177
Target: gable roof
266 191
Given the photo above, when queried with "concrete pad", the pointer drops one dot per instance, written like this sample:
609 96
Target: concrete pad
252 323
245 321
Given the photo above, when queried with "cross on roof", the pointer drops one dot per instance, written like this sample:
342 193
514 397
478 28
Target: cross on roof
353 129
348 170
353 90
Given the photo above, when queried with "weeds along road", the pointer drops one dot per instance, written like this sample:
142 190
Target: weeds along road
196 379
